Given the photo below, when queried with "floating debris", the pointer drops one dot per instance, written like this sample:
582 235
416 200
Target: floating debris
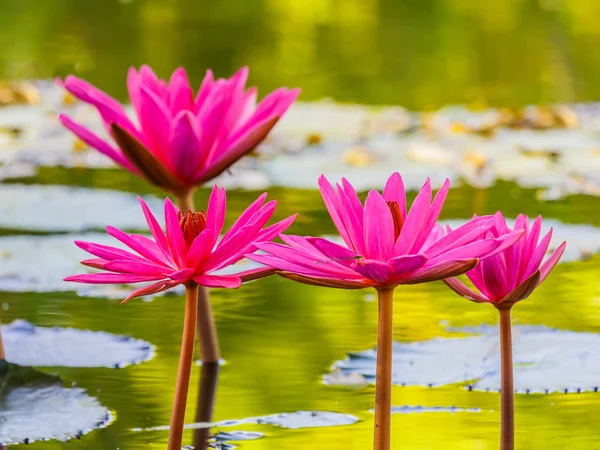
314 139
358 157
19 93
36 407
545 360
28 345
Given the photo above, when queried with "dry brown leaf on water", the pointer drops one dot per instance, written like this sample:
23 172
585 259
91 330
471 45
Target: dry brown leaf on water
21 93
358 157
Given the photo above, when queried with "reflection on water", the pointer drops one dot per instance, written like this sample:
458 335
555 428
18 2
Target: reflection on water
416 54
207 391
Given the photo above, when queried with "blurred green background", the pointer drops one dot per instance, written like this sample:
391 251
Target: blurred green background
417 54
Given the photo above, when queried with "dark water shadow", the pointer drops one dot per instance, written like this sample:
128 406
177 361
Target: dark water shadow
206 401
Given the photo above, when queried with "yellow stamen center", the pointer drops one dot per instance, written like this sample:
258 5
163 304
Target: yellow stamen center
192 223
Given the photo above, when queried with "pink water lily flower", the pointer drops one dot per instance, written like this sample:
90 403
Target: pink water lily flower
503 280
189 252
512 275
383 245
181 139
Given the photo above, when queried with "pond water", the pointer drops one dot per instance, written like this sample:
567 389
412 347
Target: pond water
280 339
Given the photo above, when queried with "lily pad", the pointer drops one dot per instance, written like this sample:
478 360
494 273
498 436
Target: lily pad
35 406
545 360
228 436
28 345
308 419
62 208
294 421
431 409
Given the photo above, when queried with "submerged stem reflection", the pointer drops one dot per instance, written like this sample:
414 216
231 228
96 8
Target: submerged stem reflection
206 401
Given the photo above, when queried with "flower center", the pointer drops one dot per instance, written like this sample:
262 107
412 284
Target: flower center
397 217
192 223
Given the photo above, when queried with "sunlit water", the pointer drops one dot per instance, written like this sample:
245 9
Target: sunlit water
279 339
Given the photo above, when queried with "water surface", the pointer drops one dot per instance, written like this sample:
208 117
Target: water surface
280 338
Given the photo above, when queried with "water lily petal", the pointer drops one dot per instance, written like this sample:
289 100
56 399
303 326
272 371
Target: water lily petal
155 229
378 228
106 252
215 212
441 270
111 278
255 274
135 267
239 148
432 217
414 220
406 264
394 192
175 237
155 288
323 282
353 218
136 246
182 275
245 216
332 203
155 120
300 258
200 249
461 289
184 145
96 142
464 234
217 281
205 88
522 291
375 270
552 261
538 255
332 250
181 97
